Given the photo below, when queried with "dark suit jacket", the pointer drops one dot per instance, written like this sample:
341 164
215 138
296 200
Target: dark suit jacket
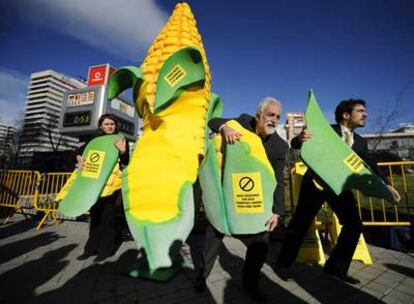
276 149
360 147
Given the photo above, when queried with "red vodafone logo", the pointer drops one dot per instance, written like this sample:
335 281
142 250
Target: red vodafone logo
97 75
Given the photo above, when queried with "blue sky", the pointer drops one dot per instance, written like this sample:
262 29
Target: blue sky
341 49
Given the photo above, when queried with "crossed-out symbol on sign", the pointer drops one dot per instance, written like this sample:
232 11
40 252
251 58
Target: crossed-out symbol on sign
94 157
246 183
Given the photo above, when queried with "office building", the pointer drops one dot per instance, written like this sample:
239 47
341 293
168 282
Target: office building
295 122
399 141
40 131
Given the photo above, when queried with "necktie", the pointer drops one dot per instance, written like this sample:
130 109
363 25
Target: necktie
348 137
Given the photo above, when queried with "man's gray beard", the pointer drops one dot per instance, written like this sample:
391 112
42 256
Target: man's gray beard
269 130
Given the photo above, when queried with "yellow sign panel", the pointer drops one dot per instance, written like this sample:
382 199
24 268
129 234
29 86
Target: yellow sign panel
93 164
354 162
247 192
175 75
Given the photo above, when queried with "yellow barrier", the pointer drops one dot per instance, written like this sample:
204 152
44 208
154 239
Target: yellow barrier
18 190
376 212
361 252
48 187
311 249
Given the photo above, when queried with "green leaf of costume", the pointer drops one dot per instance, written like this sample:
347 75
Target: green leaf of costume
123 79
182 69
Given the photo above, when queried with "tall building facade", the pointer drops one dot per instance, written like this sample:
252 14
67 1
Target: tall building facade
295 121
40 132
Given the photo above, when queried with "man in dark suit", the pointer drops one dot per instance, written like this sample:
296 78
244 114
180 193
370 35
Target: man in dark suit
349 115
264 125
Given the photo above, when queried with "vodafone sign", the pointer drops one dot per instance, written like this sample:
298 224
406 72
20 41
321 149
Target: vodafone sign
99 75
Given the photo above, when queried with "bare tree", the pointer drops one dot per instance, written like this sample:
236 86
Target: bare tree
49 129
390 115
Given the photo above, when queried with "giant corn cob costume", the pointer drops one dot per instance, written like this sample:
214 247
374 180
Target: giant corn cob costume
172 95
237 189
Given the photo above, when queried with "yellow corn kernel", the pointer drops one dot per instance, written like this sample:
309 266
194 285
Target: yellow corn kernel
179 32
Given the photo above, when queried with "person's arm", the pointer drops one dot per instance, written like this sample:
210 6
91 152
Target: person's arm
124 157
296 142
78 156
215 123
363 153
278 207
373 164
123 147
218 125
279 193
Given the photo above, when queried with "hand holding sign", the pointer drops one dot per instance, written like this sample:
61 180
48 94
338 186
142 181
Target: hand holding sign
230 135
271 224
80 161
120 144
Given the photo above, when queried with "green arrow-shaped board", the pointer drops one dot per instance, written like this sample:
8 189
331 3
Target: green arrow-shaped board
336 164
100 156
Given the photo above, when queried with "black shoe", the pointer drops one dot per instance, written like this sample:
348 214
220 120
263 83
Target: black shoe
282 272
343 278
200 284
255 294
84 256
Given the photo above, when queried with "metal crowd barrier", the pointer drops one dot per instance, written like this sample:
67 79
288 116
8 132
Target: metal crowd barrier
373 211
18 190
48 187
30 191
376 212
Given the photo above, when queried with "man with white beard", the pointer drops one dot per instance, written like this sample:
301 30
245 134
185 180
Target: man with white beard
264 125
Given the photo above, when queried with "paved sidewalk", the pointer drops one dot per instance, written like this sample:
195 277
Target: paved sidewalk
41 267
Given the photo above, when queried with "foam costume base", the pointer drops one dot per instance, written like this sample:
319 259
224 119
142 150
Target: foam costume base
100 156
172 95
240 201
140 270
338 166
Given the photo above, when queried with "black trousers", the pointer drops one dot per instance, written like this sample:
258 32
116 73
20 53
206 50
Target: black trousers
103 230
310 201
257 246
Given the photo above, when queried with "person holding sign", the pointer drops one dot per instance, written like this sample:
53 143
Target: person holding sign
104 231
263 125
349 115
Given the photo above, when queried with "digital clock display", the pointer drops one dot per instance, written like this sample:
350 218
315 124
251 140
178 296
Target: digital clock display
77 119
